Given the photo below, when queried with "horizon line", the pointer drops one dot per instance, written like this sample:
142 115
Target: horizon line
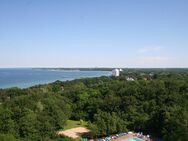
93 67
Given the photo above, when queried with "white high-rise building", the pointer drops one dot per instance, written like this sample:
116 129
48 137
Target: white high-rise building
115 72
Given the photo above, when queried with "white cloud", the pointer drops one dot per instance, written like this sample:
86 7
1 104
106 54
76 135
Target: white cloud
156 59
150 49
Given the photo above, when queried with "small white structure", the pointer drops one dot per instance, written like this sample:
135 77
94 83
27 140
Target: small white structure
121 70
130 79
115 72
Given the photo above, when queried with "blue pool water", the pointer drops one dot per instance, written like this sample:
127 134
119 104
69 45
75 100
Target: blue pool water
133 139
23 78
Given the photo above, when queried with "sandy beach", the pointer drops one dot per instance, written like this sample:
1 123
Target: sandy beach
74 132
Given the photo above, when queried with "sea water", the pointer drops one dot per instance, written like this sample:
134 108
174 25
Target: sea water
27 77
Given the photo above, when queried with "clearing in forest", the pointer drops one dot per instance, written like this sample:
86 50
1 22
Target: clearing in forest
74 129
74 132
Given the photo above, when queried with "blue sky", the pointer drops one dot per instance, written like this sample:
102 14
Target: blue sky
93 33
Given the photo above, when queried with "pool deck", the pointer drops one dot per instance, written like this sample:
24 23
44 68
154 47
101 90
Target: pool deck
126 137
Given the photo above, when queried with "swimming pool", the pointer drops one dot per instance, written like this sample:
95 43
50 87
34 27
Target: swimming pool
133 139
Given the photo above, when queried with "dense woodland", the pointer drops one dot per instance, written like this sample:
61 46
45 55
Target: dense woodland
156 103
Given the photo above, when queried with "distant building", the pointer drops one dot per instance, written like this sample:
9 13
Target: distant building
130 79
115 72
62 87
121 70
145 78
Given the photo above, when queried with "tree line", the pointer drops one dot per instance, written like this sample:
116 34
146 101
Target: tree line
157 107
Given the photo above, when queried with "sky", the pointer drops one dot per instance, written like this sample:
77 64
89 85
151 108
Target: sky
94 33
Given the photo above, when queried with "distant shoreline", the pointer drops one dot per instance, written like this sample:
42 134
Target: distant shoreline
154 70
76 69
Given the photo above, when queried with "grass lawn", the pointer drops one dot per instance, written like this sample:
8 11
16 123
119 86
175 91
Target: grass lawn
73 124
77 139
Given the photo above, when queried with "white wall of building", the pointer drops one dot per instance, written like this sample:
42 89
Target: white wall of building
115 72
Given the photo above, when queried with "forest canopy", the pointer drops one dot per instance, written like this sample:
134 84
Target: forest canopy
156 106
